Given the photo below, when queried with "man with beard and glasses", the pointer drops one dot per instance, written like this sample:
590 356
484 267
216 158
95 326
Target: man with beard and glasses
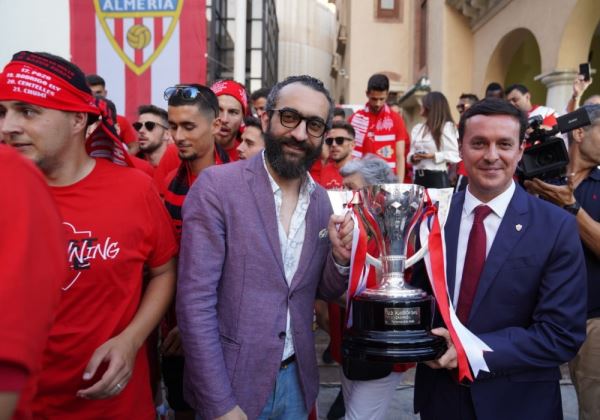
252 261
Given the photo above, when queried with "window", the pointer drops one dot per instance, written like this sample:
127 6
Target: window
388 9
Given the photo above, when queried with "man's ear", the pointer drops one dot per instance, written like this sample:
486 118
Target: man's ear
578 135
264 121
216 126
80 120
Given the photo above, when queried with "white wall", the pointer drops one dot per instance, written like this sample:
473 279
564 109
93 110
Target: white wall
35 25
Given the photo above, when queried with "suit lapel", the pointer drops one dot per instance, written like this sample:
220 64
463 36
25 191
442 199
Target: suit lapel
260 186
505 242
451 236
311 238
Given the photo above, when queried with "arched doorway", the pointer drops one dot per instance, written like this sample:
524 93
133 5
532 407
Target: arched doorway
516 59
581 41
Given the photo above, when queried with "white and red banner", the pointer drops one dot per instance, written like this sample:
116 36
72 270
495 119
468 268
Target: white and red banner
140 47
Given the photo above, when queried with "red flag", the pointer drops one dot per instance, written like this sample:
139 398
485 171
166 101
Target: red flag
140 48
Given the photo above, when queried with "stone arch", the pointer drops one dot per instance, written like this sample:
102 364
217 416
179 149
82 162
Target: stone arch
577 35
516 59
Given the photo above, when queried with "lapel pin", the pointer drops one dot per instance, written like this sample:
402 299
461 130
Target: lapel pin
323 233
519 227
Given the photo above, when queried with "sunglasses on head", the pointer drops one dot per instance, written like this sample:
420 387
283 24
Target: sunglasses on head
148 124
338 140
186 92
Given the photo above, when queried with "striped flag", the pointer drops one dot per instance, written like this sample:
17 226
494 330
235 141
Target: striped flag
140 47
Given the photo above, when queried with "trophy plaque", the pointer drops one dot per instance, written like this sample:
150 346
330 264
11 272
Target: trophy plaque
392 322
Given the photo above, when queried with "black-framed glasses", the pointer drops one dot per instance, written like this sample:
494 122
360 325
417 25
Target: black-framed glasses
290 118
338 140
461 108
148 124
186 92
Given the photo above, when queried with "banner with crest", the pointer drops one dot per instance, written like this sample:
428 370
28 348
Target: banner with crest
140 47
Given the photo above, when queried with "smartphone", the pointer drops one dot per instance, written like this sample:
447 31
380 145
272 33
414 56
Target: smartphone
584 69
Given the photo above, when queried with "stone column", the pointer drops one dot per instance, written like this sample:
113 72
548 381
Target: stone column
560 88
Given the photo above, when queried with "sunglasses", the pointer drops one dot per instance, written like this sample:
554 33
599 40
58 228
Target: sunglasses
290 118
186 92
338 140
460 107
148 124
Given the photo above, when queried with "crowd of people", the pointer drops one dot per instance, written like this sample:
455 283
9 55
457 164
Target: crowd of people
194 247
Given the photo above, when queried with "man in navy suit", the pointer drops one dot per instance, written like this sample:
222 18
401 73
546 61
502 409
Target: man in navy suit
522 290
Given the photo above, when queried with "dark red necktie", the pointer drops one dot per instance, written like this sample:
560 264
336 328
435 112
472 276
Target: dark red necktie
473 266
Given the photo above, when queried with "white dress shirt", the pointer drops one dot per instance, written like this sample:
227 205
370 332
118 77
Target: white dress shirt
292 242
491 224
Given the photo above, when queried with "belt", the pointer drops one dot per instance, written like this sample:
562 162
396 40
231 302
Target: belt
285 363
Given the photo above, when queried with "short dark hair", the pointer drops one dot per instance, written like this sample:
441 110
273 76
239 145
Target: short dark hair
260 93
205 100
471 97
378 82
493 106
94 80
344 125
154 110
493 86
339 112
305 80
251 121
521 88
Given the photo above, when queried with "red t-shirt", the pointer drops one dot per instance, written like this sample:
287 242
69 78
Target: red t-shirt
126 130
331 178
168 163
232 151
32 256
142 165
116 224
379 133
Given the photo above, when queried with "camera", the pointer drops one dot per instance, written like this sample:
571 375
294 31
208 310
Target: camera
545 156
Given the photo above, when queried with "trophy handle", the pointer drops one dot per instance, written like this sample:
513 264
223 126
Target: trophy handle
417 256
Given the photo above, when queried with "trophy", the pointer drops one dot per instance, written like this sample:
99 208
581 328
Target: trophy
392 322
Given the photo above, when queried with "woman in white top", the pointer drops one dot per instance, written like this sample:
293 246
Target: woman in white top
434 143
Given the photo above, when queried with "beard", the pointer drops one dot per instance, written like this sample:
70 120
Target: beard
150 147
284 166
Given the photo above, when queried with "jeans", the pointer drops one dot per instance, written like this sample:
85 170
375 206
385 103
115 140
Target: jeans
286 401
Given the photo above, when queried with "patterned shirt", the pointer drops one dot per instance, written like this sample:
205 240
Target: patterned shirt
291 243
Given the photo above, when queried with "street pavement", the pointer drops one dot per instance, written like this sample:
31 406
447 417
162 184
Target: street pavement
401 405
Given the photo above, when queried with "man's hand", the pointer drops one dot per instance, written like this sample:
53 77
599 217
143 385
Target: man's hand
235 414
448 359
561 195
580 85
119 352
171 345
340 234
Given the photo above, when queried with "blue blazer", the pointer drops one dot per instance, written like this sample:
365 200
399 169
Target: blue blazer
530 308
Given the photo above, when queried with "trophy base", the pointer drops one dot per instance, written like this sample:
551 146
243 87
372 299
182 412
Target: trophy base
393 346
392 329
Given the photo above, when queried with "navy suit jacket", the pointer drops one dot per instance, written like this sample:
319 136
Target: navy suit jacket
232 294
530 308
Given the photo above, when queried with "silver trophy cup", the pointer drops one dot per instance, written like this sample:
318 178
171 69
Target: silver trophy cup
391 322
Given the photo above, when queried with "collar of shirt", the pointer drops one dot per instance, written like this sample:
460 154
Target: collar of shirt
498 204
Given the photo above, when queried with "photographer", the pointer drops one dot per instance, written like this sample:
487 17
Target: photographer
580 197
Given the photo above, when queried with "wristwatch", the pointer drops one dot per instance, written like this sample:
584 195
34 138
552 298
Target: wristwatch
572 208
